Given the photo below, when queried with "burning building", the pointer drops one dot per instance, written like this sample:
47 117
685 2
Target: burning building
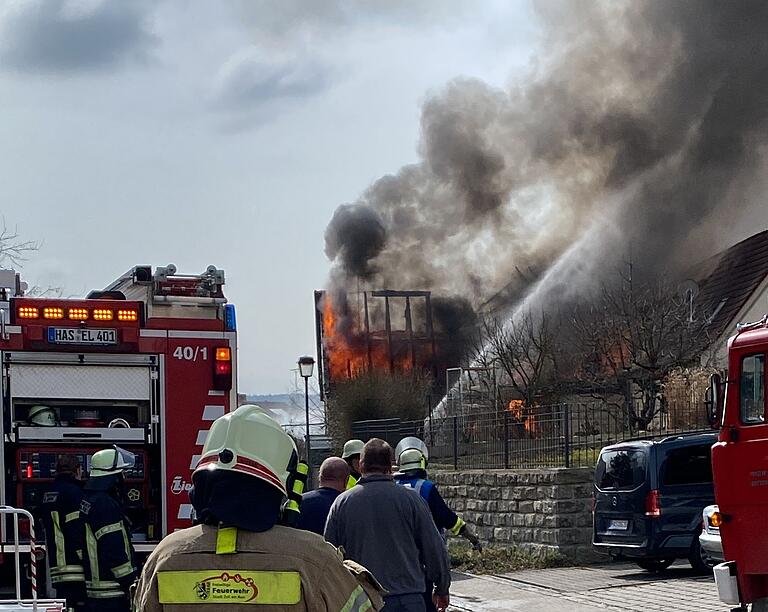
384 330
638 135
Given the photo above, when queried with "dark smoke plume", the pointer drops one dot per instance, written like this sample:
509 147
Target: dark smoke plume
638 136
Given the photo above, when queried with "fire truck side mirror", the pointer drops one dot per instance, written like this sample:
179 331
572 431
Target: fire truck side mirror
714 400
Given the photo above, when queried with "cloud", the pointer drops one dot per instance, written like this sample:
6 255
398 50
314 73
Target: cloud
288 20
298 49
73 35
251 78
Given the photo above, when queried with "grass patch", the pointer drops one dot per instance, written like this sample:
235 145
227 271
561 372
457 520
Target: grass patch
500 560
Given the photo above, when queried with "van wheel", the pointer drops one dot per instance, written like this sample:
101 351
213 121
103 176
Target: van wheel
699 560
655 565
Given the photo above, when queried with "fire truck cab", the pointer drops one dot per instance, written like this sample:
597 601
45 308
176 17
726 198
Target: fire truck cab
740 467
147 364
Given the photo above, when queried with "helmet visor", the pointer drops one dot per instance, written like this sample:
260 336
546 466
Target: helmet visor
124 459
409 443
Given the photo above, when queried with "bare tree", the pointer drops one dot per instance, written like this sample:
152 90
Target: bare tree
632 335
523 347
14 250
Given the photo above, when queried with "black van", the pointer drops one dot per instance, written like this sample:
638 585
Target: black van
648 500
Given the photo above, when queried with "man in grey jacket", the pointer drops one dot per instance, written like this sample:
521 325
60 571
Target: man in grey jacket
389 529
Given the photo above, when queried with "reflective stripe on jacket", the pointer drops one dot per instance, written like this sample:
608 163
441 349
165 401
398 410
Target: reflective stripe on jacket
286 569
109 557
444 517
64 529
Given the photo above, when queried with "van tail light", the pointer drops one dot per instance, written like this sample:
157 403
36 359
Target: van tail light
652 505
222 368
716 520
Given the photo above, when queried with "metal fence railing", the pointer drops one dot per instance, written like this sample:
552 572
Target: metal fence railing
559 435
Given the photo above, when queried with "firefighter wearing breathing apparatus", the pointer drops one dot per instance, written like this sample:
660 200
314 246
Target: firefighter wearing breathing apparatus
108 556
238 553
351 454
412 456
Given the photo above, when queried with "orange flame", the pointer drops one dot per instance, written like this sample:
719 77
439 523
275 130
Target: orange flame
349 352
523 415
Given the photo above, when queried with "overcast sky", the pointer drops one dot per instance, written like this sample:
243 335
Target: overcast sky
223 133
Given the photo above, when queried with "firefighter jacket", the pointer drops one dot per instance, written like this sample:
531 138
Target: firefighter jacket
64 530
283 569
110 567
445 518
352 481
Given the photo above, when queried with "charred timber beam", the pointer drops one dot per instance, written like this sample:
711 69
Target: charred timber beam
388 293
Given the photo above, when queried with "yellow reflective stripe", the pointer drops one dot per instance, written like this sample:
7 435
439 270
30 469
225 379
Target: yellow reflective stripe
302 468
103 585
123 570
292 505
357 602
68 578
104 594
457 527
72 516
351 481
93 553
108 529
231 586
226 540
103 590
128 548
298 487
58 536
66 569
67 573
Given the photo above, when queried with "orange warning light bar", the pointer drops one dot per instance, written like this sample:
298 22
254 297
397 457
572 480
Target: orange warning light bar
28 312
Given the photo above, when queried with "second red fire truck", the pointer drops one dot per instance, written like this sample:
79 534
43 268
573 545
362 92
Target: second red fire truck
740 467
147 364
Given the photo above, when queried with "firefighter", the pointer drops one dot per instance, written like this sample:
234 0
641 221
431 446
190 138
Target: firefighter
64 532
412 455
351 454
237 553
110 568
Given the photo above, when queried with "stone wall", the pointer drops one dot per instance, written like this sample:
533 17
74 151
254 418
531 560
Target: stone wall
541 511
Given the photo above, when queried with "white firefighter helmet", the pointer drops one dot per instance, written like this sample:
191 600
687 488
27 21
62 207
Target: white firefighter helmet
250 442
109 461
411 459
411 443
352 448
43 416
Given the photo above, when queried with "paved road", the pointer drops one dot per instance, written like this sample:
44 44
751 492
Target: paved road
587 589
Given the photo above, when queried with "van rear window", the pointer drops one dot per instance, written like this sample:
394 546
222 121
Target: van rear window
620 470
688 465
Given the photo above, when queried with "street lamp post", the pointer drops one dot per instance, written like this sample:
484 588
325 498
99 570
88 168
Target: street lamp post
306 365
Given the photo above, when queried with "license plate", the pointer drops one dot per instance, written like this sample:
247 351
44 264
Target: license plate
79 335
618 525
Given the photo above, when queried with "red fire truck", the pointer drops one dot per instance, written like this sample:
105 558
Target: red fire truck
147 364
740 465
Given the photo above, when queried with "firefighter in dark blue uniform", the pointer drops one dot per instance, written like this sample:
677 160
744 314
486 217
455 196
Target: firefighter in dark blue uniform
64 532
110 568
412 455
